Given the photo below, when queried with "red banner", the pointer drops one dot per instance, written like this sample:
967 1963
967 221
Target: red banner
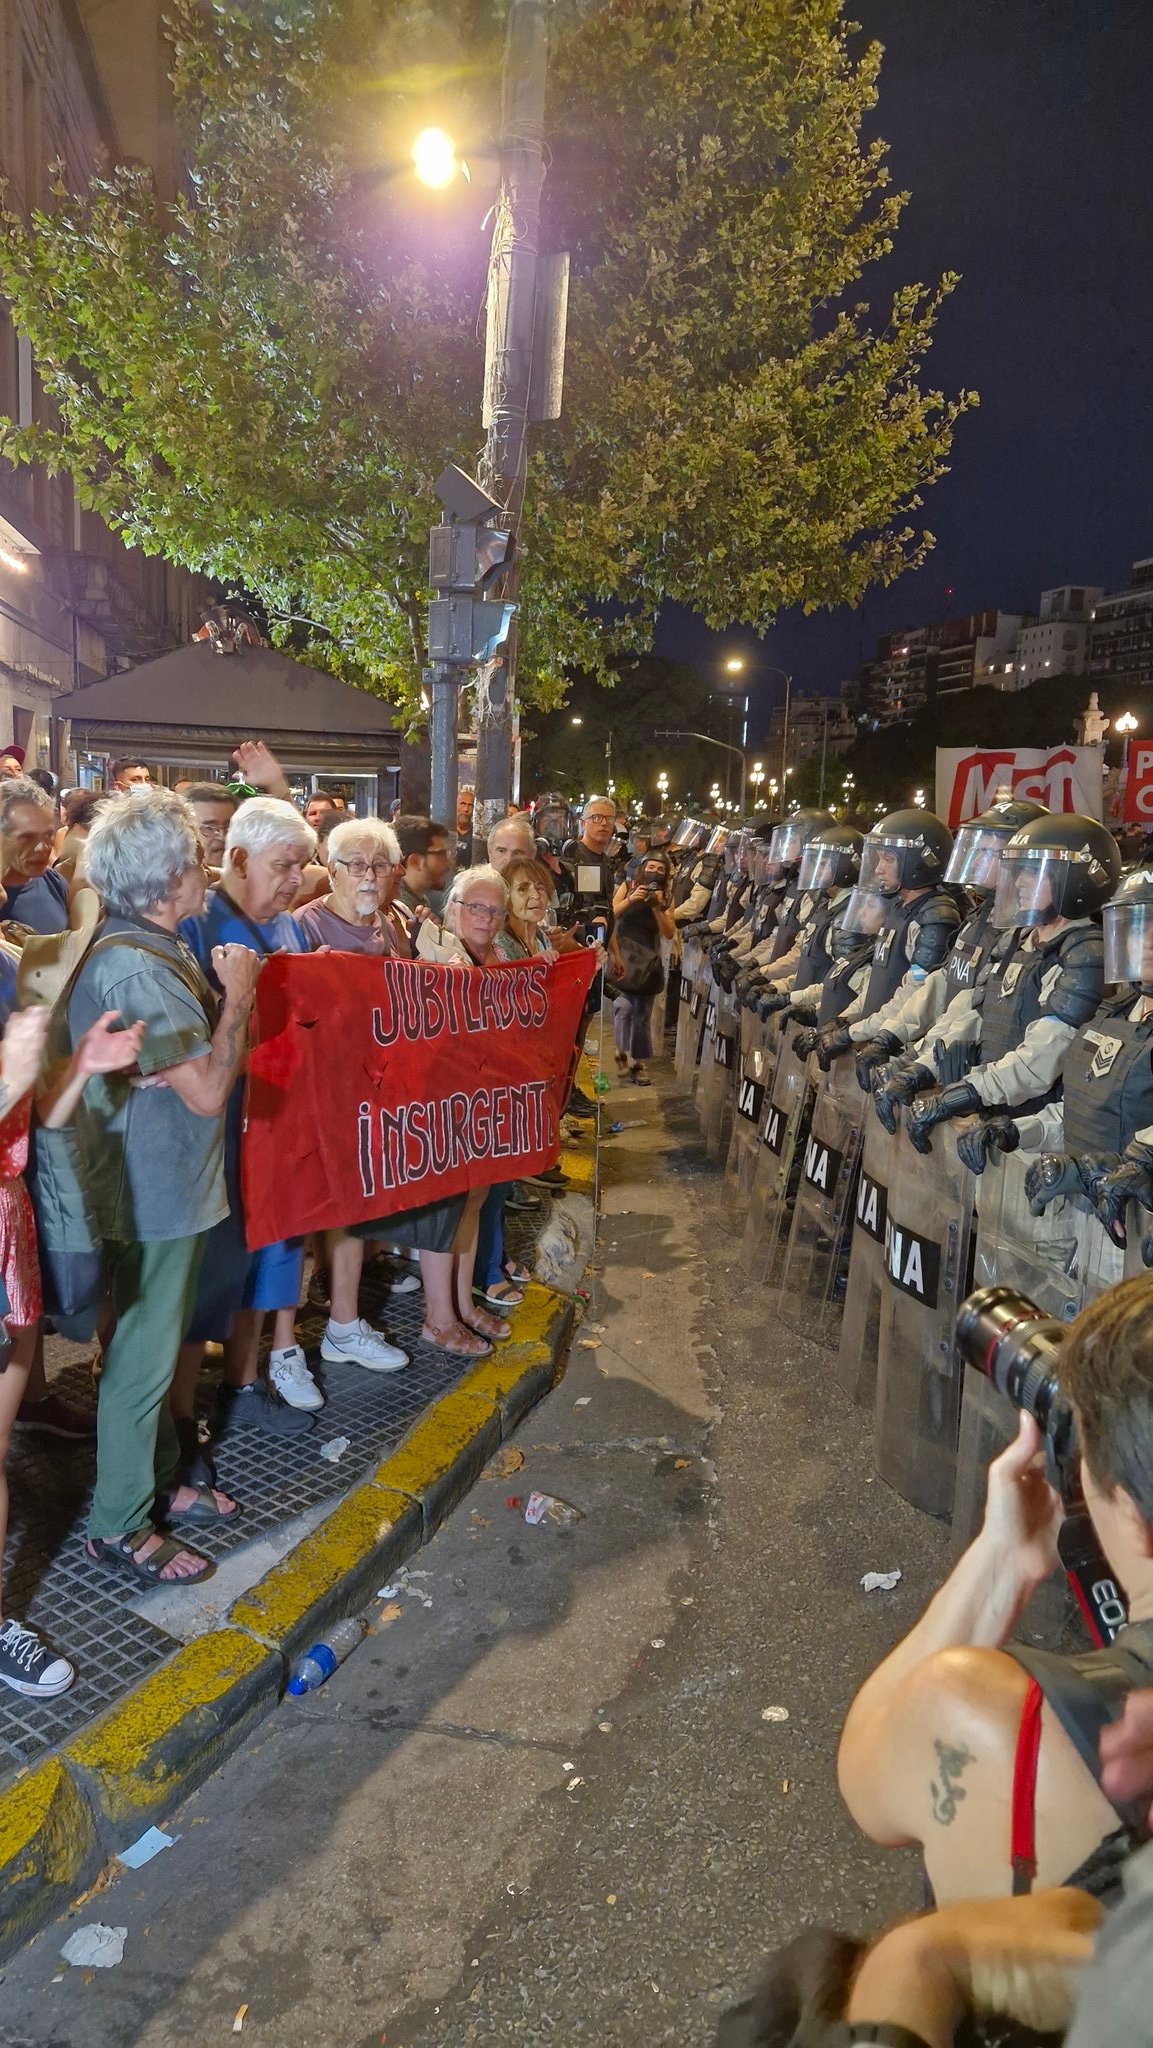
1139 783
379 1085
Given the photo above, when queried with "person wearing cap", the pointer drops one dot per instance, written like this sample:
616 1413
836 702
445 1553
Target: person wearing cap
11 762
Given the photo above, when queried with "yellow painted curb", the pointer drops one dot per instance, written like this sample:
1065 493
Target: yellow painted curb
443 1453
320 1580
579 1169
149 1752
47 1847
520 1372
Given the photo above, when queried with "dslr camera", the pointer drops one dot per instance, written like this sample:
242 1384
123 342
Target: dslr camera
1008 1338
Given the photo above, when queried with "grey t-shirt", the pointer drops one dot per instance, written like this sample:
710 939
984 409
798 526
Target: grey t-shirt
1115 2001
153 1170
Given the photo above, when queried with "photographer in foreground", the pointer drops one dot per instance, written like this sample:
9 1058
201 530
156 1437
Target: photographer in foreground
983 1751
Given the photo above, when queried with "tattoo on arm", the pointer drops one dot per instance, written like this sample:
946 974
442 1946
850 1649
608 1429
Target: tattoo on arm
947 1795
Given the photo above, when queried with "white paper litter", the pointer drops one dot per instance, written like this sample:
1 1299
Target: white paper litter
335 1449
150 1843
880 1582
774 1713
95 1947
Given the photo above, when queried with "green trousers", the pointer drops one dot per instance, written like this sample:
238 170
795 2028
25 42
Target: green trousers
137 1453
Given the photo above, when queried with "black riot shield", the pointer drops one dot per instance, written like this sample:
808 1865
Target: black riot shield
815 1268
756 1058
696 978
860 1325
717 1085
782 1127
928 1233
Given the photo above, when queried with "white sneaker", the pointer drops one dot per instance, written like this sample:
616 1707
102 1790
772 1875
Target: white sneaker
405 1283
288 1371
362 1346
28 1667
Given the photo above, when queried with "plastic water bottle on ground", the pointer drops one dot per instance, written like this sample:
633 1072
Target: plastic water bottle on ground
318 1664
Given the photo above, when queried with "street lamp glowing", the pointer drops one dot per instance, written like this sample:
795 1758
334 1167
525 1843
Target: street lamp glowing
1126 723
578 721
735 664
434 154
919 799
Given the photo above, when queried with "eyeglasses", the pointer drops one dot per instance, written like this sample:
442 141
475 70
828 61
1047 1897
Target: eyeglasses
492 913
358 868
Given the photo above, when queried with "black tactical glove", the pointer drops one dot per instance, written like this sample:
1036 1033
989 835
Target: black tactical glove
833 1040
959 1099
806 1040
1056 1173
872 1055
772 999
1131 1181
724 972
994 1134
899 1083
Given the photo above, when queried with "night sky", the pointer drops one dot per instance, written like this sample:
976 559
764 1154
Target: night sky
1022 130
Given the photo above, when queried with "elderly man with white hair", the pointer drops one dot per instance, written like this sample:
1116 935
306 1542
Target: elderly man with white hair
265 854
152 1160
364 867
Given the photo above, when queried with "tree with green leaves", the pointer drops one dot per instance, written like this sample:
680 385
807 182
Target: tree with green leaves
260 377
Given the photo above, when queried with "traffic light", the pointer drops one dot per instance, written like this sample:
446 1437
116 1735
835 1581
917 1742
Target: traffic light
468 552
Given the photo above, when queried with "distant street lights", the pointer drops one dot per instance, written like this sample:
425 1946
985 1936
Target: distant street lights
1126 723
756 777
663 787
578 721
434 155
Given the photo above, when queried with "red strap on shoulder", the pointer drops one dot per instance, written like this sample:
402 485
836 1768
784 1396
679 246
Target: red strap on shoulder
1023 1835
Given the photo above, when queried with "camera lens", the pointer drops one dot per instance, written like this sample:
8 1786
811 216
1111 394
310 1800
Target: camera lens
1005 1335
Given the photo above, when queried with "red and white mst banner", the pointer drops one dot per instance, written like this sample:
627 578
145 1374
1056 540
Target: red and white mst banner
1064 778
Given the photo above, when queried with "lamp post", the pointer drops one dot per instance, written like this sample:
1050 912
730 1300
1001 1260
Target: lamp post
756 777
662 788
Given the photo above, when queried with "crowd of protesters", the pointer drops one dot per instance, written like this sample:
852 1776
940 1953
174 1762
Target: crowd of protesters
134 927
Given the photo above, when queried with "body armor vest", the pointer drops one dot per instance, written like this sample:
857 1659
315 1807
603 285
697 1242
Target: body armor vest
816 958
788 922
1010 1000
972 948
890 960
1109 1080
837 989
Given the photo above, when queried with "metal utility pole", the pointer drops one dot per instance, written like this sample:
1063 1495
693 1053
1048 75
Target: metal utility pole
512 312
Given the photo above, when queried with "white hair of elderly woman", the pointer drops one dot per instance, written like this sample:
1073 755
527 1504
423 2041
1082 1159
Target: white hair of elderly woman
359 833
140 845
264 821
466 883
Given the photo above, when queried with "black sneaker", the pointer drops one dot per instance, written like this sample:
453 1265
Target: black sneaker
258 1407
523 1198
579 1104
28 1667
552 1177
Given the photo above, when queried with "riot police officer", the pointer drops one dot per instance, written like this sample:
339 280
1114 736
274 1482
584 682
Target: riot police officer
1037 989
1104 1127
903 862
938 1004
829 870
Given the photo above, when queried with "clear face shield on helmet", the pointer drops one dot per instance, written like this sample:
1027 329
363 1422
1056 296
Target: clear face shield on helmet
718 839
820 867
883 864
864 913
786 846
976 855
761 863
1030 888
686 834
1129 940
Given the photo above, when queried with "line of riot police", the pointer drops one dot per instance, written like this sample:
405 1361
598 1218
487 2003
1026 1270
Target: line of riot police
926 1064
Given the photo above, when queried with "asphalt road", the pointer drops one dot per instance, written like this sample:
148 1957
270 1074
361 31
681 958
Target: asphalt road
541 1803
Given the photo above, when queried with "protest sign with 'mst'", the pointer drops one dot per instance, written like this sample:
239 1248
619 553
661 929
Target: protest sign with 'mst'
1063 778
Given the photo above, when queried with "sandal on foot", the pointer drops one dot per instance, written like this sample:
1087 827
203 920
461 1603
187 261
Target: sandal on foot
502 1294
488 1326
203 1509
122 1554
468 1343
518 1274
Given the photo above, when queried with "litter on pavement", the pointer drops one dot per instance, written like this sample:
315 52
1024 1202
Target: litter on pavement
545 1507
335 1449
148 1845
506 1462
880 1582
774 1713
95 1947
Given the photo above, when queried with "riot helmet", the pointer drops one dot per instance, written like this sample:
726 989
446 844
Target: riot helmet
907 850
1060 865
1128 922
691 836
791 837
555 820
864 913
718 839
979 843
832 859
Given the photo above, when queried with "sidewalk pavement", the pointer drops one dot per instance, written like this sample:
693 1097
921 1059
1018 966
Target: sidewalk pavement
170 1683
